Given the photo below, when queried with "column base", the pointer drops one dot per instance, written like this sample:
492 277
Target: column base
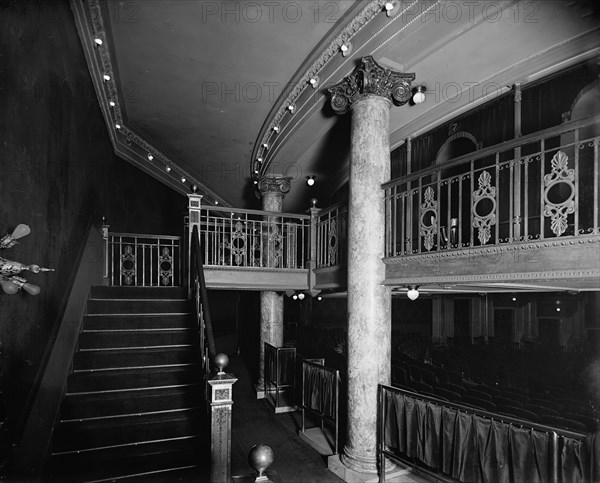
395 473
260 391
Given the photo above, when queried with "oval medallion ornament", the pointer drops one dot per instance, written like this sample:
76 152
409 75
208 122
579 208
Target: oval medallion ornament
559 183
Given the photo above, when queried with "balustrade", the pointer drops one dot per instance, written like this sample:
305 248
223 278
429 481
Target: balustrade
253 239
537 187
332 233
143 260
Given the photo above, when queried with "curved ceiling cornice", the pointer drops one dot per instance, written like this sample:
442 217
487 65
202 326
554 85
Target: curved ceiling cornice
308 90
138 150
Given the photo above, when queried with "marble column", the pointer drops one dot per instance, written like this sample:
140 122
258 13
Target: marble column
272 190
368 92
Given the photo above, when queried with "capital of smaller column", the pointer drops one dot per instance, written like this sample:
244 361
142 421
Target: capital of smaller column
274 185
371 79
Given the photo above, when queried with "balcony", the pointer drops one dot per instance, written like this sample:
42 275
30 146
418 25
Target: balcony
525 210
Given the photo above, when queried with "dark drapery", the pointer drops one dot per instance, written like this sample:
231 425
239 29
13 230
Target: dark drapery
473 448
319 389
279 364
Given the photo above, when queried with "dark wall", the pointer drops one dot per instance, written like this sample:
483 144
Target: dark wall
57 172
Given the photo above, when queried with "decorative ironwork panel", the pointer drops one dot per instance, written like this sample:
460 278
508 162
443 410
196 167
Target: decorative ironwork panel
332 240
128 265
560 177
238 244
165 266
484 207
428 214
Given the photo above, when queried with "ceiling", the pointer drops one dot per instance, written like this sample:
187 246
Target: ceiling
200 85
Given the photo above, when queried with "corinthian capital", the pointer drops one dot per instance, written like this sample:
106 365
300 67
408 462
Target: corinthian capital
369 78
274 184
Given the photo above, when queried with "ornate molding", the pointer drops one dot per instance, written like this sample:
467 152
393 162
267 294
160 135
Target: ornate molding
274 184
577 241
90 24
499 277
369 78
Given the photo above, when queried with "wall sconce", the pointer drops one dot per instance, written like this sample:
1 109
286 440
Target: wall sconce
9 269
413 292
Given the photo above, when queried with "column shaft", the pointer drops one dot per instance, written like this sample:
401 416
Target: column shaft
369 302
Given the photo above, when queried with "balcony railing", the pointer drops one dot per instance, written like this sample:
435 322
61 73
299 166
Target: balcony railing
332 233
537 187
143 260
253 239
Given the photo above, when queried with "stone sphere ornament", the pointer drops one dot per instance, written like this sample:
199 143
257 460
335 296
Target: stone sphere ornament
221 361
260 458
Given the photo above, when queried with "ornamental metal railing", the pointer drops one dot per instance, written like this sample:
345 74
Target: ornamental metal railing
254 239
138 260
540 186
332 234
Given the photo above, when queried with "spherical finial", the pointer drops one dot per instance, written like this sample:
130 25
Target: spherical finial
194 188
260 458
221 361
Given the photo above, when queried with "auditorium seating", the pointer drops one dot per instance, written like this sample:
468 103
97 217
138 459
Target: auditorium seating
537 387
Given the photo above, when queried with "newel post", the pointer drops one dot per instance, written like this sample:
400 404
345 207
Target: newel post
194 205
106 256
221 400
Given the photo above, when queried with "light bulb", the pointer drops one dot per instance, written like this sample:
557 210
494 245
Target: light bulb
419 96
106 77
31 289
98 41
301 296
319 298
310 180
295 297
413 293
183 180
150 157
118 126
34 268
168 168
9 287
20 231
112 103
276 128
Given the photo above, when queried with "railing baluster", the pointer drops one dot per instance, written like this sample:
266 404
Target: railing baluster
596 141
525 200
577 205
542 169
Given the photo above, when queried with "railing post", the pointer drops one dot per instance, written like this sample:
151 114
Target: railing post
194 205
106 253
517 218
221 400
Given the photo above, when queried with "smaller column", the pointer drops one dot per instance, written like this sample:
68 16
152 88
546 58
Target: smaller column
221 400
272 190
194 206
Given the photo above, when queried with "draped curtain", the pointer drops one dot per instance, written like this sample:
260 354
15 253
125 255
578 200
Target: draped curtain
471 448
319 390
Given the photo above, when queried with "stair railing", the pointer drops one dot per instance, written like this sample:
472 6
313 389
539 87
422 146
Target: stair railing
201 307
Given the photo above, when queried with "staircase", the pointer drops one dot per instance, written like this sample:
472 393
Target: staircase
134 405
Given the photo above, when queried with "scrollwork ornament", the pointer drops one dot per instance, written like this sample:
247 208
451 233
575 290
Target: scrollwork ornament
270 184
559 212
428 231
483 221
369 78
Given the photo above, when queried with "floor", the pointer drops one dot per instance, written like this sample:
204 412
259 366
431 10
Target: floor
254 422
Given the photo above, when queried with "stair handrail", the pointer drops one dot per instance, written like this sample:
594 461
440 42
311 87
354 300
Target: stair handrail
202 310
